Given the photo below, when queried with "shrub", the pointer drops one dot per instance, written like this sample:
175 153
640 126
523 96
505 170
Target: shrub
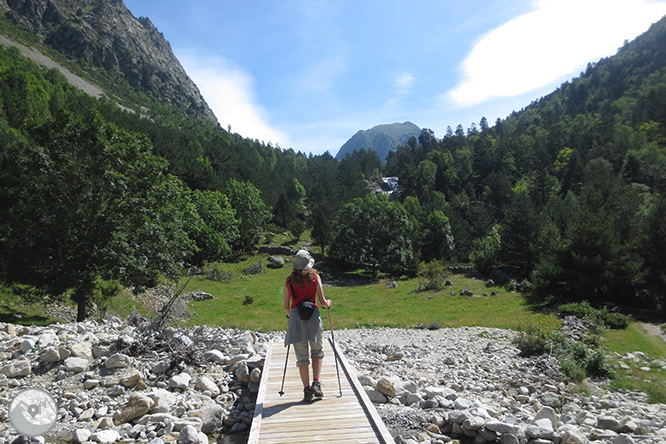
572 369
248 300
255 269
433 276
531 343
434 326
616 321
577 360
599 317
215 271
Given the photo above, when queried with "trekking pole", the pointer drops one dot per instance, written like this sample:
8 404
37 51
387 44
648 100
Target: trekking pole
335 352
281 392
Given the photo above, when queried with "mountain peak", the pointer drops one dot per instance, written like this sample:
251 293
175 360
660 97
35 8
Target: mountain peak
381 138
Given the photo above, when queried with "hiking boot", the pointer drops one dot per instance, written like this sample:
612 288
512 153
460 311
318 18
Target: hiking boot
316 389
307 394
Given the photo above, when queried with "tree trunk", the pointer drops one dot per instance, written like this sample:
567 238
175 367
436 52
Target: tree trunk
81 308
81 296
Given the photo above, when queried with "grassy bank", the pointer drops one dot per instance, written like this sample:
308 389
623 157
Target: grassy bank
642 376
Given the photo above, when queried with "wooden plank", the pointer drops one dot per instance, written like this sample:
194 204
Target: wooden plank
370 408
261 395
332 419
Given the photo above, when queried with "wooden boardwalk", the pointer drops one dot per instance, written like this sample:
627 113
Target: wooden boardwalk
350 418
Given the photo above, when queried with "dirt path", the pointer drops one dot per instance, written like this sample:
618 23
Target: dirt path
43 60
654 329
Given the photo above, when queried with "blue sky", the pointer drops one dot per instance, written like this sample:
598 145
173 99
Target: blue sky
308 74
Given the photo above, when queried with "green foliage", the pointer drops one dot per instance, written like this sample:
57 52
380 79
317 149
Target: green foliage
601 318
218 272
576 181
433 276
486 252
531 343
577 360
372 231
250 209
434 326
213 226
83 200
438 240
249 300
297 228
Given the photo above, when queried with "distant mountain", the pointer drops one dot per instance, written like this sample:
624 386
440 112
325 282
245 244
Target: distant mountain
106 40
381 138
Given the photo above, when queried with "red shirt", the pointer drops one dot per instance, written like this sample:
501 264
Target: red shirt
305 291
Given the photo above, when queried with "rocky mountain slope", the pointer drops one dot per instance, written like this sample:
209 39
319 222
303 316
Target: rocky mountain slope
104 35
381 138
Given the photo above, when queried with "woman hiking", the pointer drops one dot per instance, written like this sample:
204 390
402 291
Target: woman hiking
305 330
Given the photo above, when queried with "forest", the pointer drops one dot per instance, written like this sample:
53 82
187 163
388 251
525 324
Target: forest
564 198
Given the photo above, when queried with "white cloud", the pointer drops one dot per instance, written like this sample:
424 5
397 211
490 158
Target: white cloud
557 39
403 83
230 94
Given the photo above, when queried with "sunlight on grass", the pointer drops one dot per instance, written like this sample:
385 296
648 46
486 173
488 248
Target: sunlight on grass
635 338
370 304
650 379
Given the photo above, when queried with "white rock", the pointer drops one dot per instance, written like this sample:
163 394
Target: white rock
180 381
163 400
50 355
105 436
189 435
17 368
27 345
47 339
216 356
81 435
375 395
118 360
81 350
76 365
205 383
549 413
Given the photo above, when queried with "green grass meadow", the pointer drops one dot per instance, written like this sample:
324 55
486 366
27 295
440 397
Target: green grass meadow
365 304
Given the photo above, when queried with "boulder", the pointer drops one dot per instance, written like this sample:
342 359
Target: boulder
76 365
199 295
16 368
206 384
189 435
118 360
386 386
180 381
105 436
137 406
275 262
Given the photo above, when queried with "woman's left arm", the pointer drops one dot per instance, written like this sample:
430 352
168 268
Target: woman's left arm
320 294
287 300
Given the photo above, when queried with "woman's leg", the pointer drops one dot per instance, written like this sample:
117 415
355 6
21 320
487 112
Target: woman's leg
316 367
304 370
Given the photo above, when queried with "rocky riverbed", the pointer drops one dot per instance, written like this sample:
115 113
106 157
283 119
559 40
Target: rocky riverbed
122 381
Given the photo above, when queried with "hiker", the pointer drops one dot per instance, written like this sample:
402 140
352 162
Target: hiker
305 328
